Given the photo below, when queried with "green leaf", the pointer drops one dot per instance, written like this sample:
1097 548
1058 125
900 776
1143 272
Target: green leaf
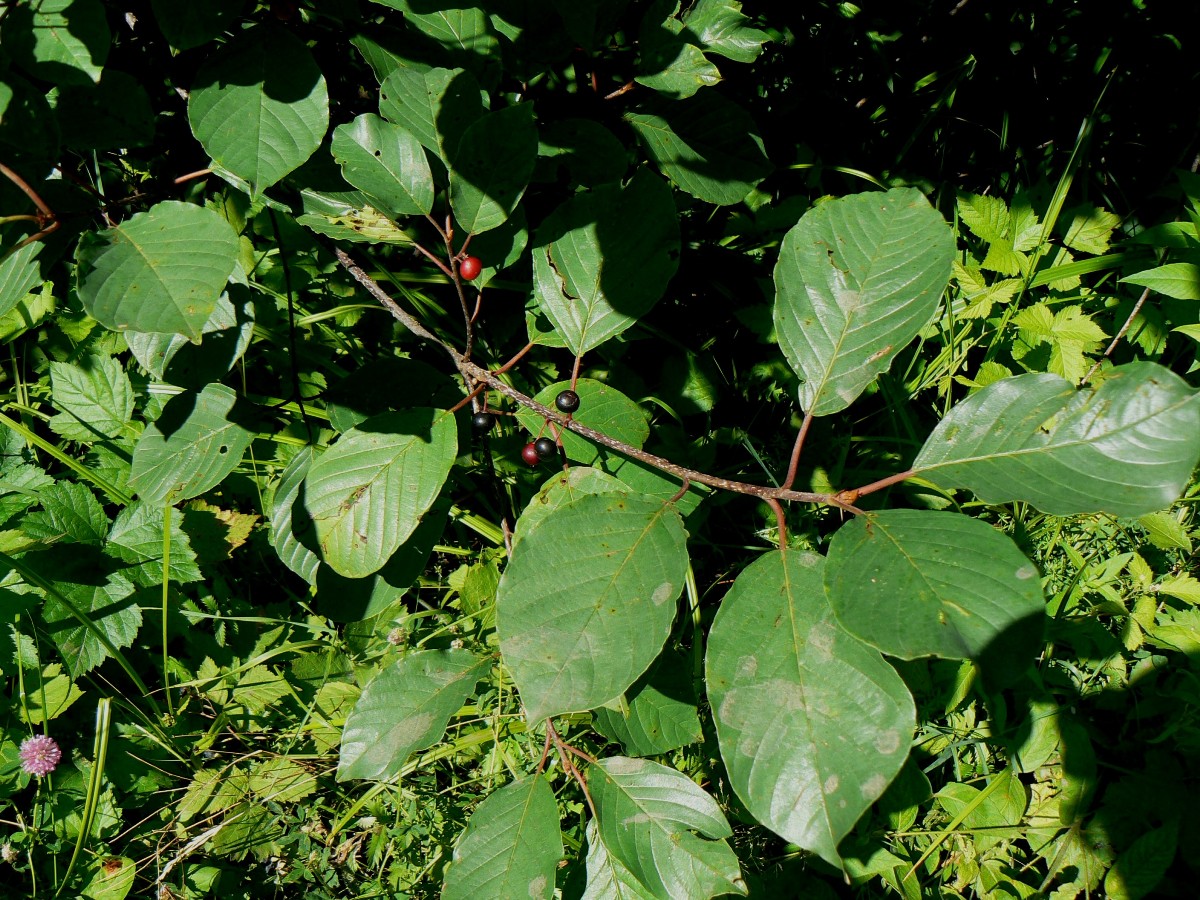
95 399
282 780
1140 868
285 526
576 643
987 217
590 152
604 258
386 163
563 488
161 270
922 583
187 25
607 879
19 272
465 34
367 493
1126 446
996 817
600 407
60 41
260 105
71 512
857 279
661 710
707 145
191 447
1179 280
435 106
1067 334
55 693
648 817
720 27
404 709
813 724
225 339
511 846
111 609
112 115
670 63
136 539
1165 531
1091 230
112 880
491 167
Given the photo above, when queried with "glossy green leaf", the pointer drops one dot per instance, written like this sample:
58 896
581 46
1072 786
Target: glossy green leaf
601 407
260 105
491 167
435 105
1126 446
1180 280
386 163
60 41
19 272
576 643
856 279
706 145
511 846
604 258
670 62
368 492
191 447
668 832
187 25
661 710
607 879
94 399
111 609
924 583
404 709
813 724
161 270
464 34
720 27
563 488
289 521
1142 866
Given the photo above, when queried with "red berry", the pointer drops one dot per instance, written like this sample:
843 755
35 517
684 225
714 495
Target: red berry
530 455
470 268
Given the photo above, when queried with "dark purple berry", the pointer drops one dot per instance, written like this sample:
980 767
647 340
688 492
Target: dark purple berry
483 422
567 401
545 448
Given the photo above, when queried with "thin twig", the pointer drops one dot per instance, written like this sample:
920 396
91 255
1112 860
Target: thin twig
1137 308
191 176
851 496
27 190
780 521
794 465
473 373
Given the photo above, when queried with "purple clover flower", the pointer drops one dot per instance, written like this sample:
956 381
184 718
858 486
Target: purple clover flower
40 755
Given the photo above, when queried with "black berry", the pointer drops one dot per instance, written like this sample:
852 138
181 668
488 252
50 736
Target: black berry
483 422
530 455
567 401
545 448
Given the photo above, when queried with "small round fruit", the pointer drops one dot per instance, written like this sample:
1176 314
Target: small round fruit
545 448
470 268
567 401
530 455
483 422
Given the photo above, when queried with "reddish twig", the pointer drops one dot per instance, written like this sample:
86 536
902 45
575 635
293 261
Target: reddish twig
780 521
192 176
794 465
